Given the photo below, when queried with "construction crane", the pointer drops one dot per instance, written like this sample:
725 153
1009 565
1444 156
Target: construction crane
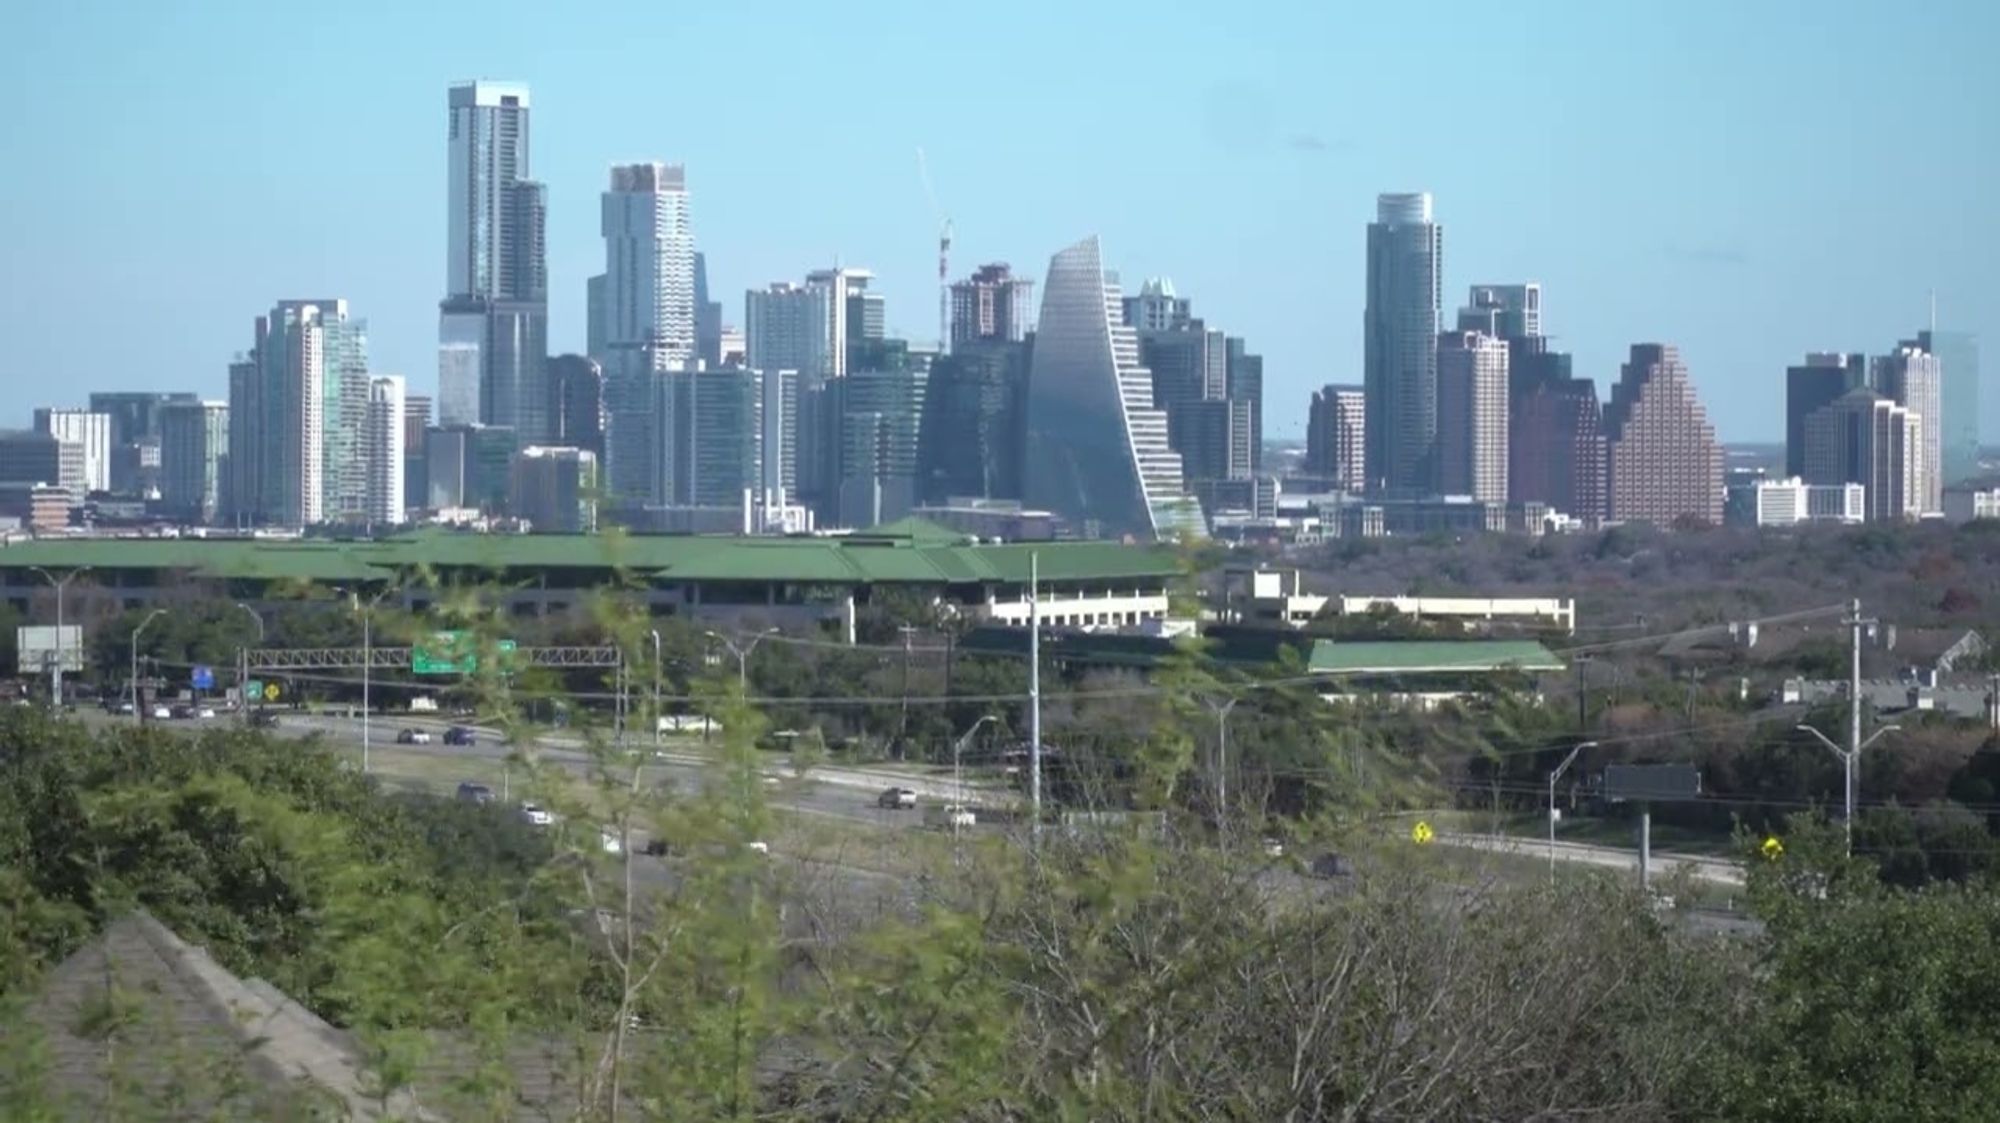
944 255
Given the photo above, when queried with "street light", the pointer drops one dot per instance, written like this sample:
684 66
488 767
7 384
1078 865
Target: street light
55 672
137 712
243 661
1848 759
958 776
1553 777
742 654
367 660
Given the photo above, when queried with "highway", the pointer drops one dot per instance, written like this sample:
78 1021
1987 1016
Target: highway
1715 871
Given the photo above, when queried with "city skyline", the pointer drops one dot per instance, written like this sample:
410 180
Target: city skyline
1743 263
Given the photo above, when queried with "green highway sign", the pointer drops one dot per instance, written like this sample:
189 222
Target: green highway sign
451 653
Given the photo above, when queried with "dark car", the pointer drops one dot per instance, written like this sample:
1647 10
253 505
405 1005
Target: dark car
263 719
896 799
182 713
470 792
460 735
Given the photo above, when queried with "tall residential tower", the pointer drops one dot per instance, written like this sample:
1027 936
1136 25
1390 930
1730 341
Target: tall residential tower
1400 332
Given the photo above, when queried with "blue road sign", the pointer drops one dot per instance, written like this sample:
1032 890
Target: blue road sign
204 678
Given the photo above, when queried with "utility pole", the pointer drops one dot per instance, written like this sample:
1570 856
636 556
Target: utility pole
1035 695
656 688
56 668
1850 757
1222 759
903 719
1582 698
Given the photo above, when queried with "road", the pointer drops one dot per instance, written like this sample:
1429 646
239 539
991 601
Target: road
1715 871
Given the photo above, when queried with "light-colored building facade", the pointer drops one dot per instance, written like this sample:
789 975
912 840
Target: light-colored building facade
1865 438
1405 290
1663 462
388 406
1098 454
297 417
493 320
647 317
1472 415
194 440
991 305
1914 379
91 432
1336 428
1964 504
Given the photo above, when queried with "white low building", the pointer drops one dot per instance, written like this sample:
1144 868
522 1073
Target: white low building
1273 596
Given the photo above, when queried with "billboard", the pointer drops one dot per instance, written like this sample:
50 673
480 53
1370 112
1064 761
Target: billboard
36 647
1651 783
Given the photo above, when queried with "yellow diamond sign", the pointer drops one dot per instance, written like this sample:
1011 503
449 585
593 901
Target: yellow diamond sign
1422 833
1772 848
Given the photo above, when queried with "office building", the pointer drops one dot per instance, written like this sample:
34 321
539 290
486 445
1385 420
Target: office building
1555 448
969 443
1157 307
597 333
1964 504
576 403
879 412
1865 438
1958 361
89 431
194 445
837 290
1811 386
707 317
493 321
552 489
1399 338
1245 383
135 420
647 316
1663 463
715 430
1336 435
469 467
298 405
416 473
1214 440
1097 451
991 306
1505 312
31 458
1914 379
1472 415
388 421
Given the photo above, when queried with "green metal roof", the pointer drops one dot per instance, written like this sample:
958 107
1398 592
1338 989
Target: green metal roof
1427 657
921 554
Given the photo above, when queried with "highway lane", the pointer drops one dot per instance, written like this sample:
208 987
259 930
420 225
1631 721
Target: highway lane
1712 870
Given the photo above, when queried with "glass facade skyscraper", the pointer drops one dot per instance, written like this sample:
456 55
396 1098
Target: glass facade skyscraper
1399 337
1098 454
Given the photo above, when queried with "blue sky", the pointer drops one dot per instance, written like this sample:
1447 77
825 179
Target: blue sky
1747 180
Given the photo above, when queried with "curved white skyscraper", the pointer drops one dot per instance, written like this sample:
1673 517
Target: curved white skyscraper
1097 447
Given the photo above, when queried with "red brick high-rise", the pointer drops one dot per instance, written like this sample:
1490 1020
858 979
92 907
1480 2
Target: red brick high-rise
1662 460
1556 451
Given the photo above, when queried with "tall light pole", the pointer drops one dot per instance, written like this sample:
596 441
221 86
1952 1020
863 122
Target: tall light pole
367 662
138 713
742 654
1849 760
243 661
61 584
958 776
656 688
1553 777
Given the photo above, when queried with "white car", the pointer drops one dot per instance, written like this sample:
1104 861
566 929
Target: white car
162 713
536 816
954 815
205 713
611 843
1274 848
760 847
